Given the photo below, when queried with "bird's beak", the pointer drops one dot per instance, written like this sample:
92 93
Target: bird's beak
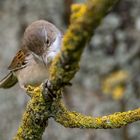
39 58
43 61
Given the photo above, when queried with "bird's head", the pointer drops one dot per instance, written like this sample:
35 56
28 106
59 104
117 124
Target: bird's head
43 39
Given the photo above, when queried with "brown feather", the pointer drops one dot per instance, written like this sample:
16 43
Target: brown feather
18 61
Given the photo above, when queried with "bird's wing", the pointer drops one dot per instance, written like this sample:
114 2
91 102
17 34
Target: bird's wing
19 61
8 81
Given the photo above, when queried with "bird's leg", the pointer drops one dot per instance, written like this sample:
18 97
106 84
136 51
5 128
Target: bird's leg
48 91
52 93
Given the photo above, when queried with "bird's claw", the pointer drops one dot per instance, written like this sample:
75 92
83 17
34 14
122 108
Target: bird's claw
48 91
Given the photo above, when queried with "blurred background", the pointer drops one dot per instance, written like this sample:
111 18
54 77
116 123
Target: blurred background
109 78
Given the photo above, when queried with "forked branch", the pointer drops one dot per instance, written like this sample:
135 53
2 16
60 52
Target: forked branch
84 20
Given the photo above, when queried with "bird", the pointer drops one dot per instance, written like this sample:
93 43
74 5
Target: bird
40 44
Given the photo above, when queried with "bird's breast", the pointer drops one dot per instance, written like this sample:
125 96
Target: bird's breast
33 74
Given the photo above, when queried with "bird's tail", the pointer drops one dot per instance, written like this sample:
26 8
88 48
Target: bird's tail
8 81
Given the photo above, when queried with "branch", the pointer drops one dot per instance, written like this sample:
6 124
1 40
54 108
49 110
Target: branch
77 120
84 20
35 118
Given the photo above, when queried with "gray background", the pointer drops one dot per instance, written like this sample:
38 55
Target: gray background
115 46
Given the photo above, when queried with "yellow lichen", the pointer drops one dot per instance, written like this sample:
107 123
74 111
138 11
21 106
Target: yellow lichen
78 10
77 120
114 84
118 92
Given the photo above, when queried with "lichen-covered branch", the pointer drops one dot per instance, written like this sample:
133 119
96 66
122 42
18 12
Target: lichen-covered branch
77 120
84 20
35 117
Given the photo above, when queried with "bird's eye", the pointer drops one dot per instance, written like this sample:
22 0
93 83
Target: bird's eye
48 42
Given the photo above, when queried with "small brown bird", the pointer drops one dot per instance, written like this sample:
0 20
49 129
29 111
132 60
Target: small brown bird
41 43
